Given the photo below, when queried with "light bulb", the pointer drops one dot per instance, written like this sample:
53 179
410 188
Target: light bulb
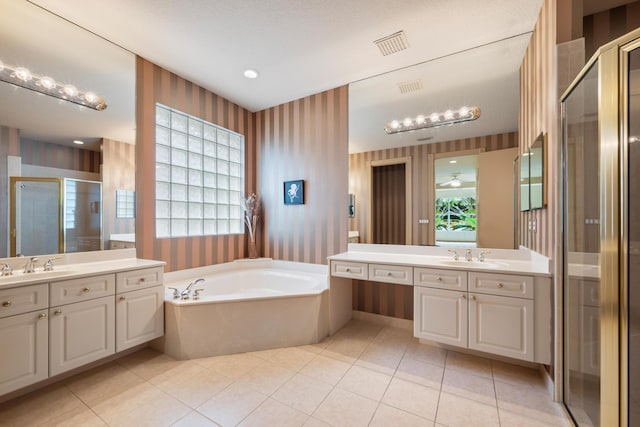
420 119
47 83
70 90
455 183
407 122
394 124
1 66
464 112
448 115
250 74
435 117
23 74
91 97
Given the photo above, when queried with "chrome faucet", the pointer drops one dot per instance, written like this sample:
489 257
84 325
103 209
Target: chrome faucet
48 266
6 270
187 291
454 253
468 255
30 266
481 255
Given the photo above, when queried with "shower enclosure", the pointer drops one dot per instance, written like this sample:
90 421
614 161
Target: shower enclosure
55 215
601 227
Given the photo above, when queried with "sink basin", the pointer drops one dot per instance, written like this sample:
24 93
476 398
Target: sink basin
472 264
19 276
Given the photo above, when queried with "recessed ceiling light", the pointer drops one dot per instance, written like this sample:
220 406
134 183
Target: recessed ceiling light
77 141
453 161
250 74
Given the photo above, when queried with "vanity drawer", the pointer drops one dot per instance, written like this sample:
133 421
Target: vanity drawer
23 299
501 284
138 279
83 289
351 270
399 274
442 279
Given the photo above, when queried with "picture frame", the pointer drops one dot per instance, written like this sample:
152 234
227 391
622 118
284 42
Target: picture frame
294 192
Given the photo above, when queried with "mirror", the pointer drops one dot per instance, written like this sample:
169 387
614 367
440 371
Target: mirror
525 199
536 173
37 131
486 76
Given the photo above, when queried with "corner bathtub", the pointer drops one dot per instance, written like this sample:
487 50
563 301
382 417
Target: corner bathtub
246 305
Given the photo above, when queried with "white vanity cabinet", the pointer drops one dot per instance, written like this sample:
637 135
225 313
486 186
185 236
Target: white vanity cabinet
139 312
440 315
24 330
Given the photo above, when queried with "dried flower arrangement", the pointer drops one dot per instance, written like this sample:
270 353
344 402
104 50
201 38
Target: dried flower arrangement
251 206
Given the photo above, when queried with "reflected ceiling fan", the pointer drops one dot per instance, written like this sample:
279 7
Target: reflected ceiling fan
453 182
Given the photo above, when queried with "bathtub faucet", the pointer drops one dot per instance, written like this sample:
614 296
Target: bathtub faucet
187 291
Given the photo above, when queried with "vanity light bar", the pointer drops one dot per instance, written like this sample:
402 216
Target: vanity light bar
20 76
433 120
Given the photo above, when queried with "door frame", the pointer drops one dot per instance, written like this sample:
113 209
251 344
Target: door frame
407 189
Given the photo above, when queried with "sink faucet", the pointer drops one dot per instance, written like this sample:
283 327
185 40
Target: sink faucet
481 256
6 270
454 253
30 266
185 293
468 255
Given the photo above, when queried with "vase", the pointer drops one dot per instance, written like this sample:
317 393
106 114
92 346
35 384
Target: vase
253 248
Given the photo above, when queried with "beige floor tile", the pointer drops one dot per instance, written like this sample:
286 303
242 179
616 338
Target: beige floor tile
50 403
266 378
274 413
515 374
421 373
314 422
469 386
511 419
265 354
419 400
470 364
194 419
365 382
345 349
343 408
148 363
231 405
303 393
426 353
143 405
293 358
386 416
381 358
326 369
530 401
86 418
192 385
404 333
359 329
232 366
455 411
102 383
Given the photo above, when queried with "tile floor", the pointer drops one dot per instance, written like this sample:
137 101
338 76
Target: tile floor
366 374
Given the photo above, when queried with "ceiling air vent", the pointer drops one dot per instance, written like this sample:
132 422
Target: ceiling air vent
426 138
392 43
410 86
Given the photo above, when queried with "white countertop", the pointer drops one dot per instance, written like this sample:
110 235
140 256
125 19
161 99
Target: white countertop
503 260
73 266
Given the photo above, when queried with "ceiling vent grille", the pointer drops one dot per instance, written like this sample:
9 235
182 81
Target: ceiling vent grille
410 86
392 43
426 138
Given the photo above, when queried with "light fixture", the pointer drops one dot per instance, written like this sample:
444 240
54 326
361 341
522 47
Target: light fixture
633 139
433 120
455 182
21 76
77 141
453 161
250 74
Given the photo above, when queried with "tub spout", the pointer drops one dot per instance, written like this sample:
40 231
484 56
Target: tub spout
187 291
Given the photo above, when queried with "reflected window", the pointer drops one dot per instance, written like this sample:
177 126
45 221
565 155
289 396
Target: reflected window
125 204
199 176
456 214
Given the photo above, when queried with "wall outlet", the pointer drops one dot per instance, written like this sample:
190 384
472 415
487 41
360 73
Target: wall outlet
423 221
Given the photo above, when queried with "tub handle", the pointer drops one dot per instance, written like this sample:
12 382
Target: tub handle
176 293
196 293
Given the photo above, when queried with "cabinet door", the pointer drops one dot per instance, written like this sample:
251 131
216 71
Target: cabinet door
24 353
501 325
440 315
139 317
81 333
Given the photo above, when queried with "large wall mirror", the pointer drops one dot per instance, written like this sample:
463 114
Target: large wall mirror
37 134
486 77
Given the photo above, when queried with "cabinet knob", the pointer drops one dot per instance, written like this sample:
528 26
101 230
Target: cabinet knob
439 279
389 273
42 316
86 290
348 270
57 312
122 298
6 304
500 285
473 297
142 279
463 296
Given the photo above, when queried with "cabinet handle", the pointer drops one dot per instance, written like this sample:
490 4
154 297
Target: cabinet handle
122 298
86 290
141 279
500 285
389 273
348 270
473 297
463 296
42 316
57 312
6 303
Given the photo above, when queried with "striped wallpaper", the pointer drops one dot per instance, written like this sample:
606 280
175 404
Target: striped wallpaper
59 156
155 84
118 173
9 146
304 139
603 27
388 213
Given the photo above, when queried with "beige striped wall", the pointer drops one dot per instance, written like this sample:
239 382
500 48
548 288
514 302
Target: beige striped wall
397 300
304 139
603 27
118 173
9 146
388 210
155 84
539 114
51 155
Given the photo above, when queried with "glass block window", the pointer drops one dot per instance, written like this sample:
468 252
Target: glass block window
199 176
125 204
